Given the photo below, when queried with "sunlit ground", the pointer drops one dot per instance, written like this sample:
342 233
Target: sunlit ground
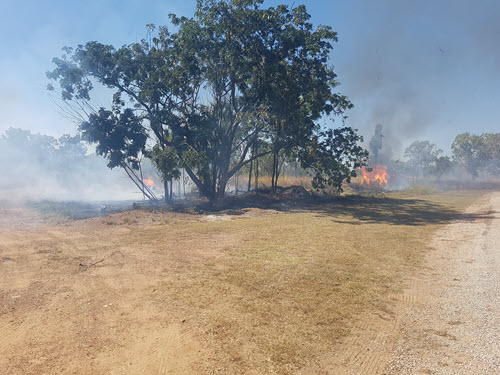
257 291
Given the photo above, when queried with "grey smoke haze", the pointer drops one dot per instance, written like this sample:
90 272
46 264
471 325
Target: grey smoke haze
423 69
376 144
35 166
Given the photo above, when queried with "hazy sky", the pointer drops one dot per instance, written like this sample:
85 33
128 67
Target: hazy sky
425 69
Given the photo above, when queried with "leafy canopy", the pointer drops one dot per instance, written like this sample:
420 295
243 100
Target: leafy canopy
207 95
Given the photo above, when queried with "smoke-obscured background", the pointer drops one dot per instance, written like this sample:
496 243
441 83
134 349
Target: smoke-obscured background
45 167
423 70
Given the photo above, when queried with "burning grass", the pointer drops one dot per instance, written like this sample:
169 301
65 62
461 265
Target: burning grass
267 293
377 176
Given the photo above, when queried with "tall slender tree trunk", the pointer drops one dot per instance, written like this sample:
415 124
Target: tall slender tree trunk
274 178
220 192
277 172
165 187
171 192
250 176
142 181
274 169
256 173
184 182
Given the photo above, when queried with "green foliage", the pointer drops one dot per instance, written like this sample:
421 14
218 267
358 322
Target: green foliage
477 152
442 165
233 76
119 137
334 157
71 146
166 162
422 157
399 167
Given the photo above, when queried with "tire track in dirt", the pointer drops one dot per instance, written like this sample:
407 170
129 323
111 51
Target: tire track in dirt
160 350
378 344
456 331
11 332
372 339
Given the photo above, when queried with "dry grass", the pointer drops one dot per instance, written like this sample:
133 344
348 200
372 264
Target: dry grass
264 292
285 181
277 291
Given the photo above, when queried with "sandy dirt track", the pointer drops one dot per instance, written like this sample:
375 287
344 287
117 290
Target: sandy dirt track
447 319
452 325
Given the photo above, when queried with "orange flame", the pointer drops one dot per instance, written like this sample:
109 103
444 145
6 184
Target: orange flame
148 182
378 175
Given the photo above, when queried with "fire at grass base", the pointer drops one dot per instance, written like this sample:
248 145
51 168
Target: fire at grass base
375 176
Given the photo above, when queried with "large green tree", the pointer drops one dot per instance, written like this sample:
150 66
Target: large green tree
477 152
222 84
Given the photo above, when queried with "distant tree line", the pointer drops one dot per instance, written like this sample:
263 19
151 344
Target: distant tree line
26 158
475 154
65 164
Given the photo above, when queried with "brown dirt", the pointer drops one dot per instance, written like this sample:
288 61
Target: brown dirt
446 319
59 316
250 291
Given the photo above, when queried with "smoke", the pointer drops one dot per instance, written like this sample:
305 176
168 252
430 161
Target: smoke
376 144
422 69
36 166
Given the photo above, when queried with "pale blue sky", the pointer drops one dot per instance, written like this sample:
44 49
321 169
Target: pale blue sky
423 69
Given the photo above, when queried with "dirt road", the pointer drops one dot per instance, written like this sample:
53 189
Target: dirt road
447 319
452 325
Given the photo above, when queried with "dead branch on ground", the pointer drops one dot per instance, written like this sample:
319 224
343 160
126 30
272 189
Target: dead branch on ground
101 260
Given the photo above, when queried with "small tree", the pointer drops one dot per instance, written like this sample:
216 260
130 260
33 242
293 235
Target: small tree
469 151
442 165
120 138
376 144
335 157
166 162
422 156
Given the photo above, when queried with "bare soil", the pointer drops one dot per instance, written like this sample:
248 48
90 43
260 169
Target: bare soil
309 290
446 320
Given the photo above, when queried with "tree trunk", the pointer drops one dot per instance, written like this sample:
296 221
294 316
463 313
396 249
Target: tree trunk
221 191
256 173
199 184
274 178
142 180
171 191
277 172
165 187
184 182
274 168
250 176
214 183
